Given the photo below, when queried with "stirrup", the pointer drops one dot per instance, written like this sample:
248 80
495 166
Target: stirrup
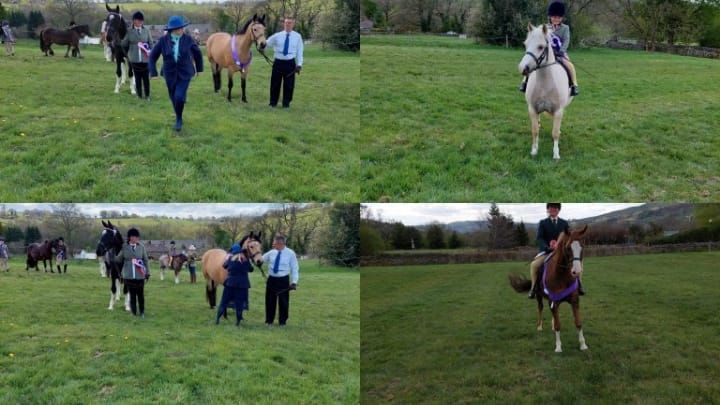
522 87
574 90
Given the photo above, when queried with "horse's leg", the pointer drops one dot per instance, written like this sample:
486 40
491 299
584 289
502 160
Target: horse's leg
216 77
539 313
113 291
535 127
162 273
123 70
68 50
230 83
556 326
557 121
52 53
243 79
118 75
578 323
133 85
177 279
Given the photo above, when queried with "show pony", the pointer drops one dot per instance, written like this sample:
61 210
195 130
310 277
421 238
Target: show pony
117 28
109 245
40 251
176 263
559 283
70 37
232 52
213 260
548 85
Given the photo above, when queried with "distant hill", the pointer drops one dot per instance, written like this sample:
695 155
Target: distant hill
460 226
671 216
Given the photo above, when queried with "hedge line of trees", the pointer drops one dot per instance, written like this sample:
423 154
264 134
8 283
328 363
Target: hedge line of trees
591 21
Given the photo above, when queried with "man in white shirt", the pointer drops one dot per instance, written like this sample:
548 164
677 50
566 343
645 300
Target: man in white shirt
283 275
288 46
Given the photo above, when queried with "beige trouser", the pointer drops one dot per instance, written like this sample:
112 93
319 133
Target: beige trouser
534 268
569 65
3 264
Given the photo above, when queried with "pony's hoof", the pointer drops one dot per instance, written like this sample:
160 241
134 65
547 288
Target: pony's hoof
539 328
583 347
558 350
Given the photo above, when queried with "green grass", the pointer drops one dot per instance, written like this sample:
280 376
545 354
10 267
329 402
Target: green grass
442 121
460 334
68 348
67 137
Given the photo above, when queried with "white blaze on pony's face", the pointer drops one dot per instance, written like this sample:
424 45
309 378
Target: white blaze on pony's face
258 31
577 267
535 44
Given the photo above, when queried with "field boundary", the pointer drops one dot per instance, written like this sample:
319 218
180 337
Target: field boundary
525 254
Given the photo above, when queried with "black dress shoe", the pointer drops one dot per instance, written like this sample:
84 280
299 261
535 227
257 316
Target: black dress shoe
574 90
522 87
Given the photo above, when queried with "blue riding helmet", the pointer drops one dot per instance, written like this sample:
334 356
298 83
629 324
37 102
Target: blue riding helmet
176 22
235 249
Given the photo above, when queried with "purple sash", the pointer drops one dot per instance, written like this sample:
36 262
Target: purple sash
236 57
557 297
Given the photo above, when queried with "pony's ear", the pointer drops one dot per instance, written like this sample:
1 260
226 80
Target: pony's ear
530 26
544 27
108 8
259 235
254 17
252 234
102 220
262 19
110 225
582 232
117 9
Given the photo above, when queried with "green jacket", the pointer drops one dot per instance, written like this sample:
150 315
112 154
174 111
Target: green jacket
563 32
135 55
126 256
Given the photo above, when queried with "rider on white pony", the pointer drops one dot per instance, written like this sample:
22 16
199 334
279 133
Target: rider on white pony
560 34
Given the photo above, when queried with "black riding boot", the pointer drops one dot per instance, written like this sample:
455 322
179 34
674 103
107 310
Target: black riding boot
574 90
523 86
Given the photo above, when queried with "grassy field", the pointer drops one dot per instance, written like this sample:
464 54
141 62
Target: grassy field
59 344
67 137
442 121
460 334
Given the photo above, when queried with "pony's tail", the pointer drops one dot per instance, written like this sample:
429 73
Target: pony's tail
519 283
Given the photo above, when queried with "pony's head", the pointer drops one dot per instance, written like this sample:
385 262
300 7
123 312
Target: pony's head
82 30
256 26
252 245
569 244
115 25
110 239
536 48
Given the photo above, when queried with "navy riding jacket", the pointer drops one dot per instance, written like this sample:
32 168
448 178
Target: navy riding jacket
181 70
238 273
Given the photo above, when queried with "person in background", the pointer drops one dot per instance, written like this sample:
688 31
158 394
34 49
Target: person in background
136 271
4 255
139 43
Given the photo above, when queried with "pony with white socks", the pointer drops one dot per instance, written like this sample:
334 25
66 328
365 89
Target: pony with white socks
109 245
117 28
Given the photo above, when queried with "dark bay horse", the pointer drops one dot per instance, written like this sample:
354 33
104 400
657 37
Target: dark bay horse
109 245
213 260
40 251
70 37
116 29
176 263
559 283
234 53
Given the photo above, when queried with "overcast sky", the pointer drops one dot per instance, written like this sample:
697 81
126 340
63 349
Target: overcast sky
171 210
420 214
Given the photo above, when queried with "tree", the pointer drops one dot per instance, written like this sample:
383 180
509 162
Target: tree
435 237
400 238
32 234
237 12
454 242
35 20
500 227
521 235
2 12
13 234
416 238
339 27
233 226
370 241
70 219
220 236
342 240
71 9
17 18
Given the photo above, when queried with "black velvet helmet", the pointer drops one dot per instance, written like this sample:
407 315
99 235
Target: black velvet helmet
133 232
549 205
556 8
138 16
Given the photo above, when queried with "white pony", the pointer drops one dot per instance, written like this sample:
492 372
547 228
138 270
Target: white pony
548 88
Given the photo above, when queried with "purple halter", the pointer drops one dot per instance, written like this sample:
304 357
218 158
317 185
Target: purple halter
236 57
557 297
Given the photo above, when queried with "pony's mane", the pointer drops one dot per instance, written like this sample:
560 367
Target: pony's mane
245 27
